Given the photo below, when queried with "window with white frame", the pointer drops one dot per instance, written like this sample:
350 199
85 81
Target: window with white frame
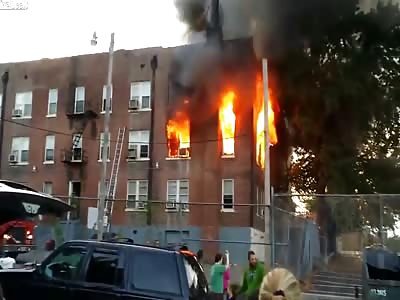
140 95
49 148
138 144
23 105
103 102
77 142
52 103
227 194
79 103
102 146
48 187
178 194
137 194
20 149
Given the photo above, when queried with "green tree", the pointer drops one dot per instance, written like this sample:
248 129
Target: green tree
340 95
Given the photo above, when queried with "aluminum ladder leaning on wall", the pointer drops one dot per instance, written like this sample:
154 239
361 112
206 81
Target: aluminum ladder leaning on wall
112 183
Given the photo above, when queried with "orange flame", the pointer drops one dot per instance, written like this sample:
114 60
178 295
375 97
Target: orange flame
227 122
260 131
178 134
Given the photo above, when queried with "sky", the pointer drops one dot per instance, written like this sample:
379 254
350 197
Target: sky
59 28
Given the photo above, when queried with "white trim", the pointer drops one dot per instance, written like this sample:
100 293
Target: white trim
223 194
139 110
142 89
78 100
137 194
51 116
50 162
21 118
49 148
44 184
178 195
104 98
137 159
55 102
177 158
21 100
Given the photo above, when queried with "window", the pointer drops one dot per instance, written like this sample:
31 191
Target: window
102 146
48 187
137 194
79 105
140 93
52 105
23 105
77 153
178 193
103 268
227 194
49 149
103 102
65 264
20 148
161 267
1 102
138 147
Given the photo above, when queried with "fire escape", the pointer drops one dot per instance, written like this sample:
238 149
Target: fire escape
76 155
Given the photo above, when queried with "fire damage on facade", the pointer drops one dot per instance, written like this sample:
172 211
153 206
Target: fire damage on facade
199 140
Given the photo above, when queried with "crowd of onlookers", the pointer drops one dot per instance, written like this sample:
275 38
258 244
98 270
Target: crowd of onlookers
257 284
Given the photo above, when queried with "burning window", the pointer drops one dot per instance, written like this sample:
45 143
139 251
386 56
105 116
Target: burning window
227 123
260 130
178 135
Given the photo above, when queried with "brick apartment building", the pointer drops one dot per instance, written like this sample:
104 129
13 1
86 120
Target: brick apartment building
53 124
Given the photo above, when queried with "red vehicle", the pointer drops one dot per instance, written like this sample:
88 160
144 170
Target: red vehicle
16 237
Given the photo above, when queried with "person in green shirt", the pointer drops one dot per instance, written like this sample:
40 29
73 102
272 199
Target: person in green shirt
252 277
217 275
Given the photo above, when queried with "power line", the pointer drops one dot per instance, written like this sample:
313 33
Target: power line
113 141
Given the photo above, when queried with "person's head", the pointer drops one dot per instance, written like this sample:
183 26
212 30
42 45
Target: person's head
251 256
184 248
224 260
218 258
200 254
50 245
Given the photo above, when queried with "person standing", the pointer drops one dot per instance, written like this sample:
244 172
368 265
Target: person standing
252 277
217 276
226 276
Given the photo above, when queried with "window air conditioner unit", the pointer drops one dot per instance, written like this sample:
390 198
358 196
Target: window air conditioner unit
134 104
132 152
16 112
13 158
170 205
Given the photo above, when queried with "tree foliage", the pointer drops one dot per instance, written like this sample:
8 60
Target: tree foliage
340 94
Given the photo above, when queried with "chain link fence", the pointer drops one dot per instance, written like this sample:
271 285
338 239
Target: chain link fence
292 240
349 223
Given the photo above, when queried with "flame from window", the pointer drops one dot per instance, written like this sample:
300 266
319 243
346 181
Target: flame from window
227 122
260 130
178 135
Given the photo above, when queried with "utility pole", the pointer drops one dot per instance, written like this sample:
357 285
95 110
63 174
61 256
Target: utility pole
106 143
4 81
267 180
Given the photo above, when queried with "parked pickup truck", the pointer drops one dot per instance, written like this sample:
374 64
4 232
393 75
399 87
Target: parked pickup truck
87 270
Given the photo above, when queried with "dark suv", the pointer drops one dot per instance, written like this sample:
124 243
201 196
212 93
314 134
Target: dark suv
107 270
